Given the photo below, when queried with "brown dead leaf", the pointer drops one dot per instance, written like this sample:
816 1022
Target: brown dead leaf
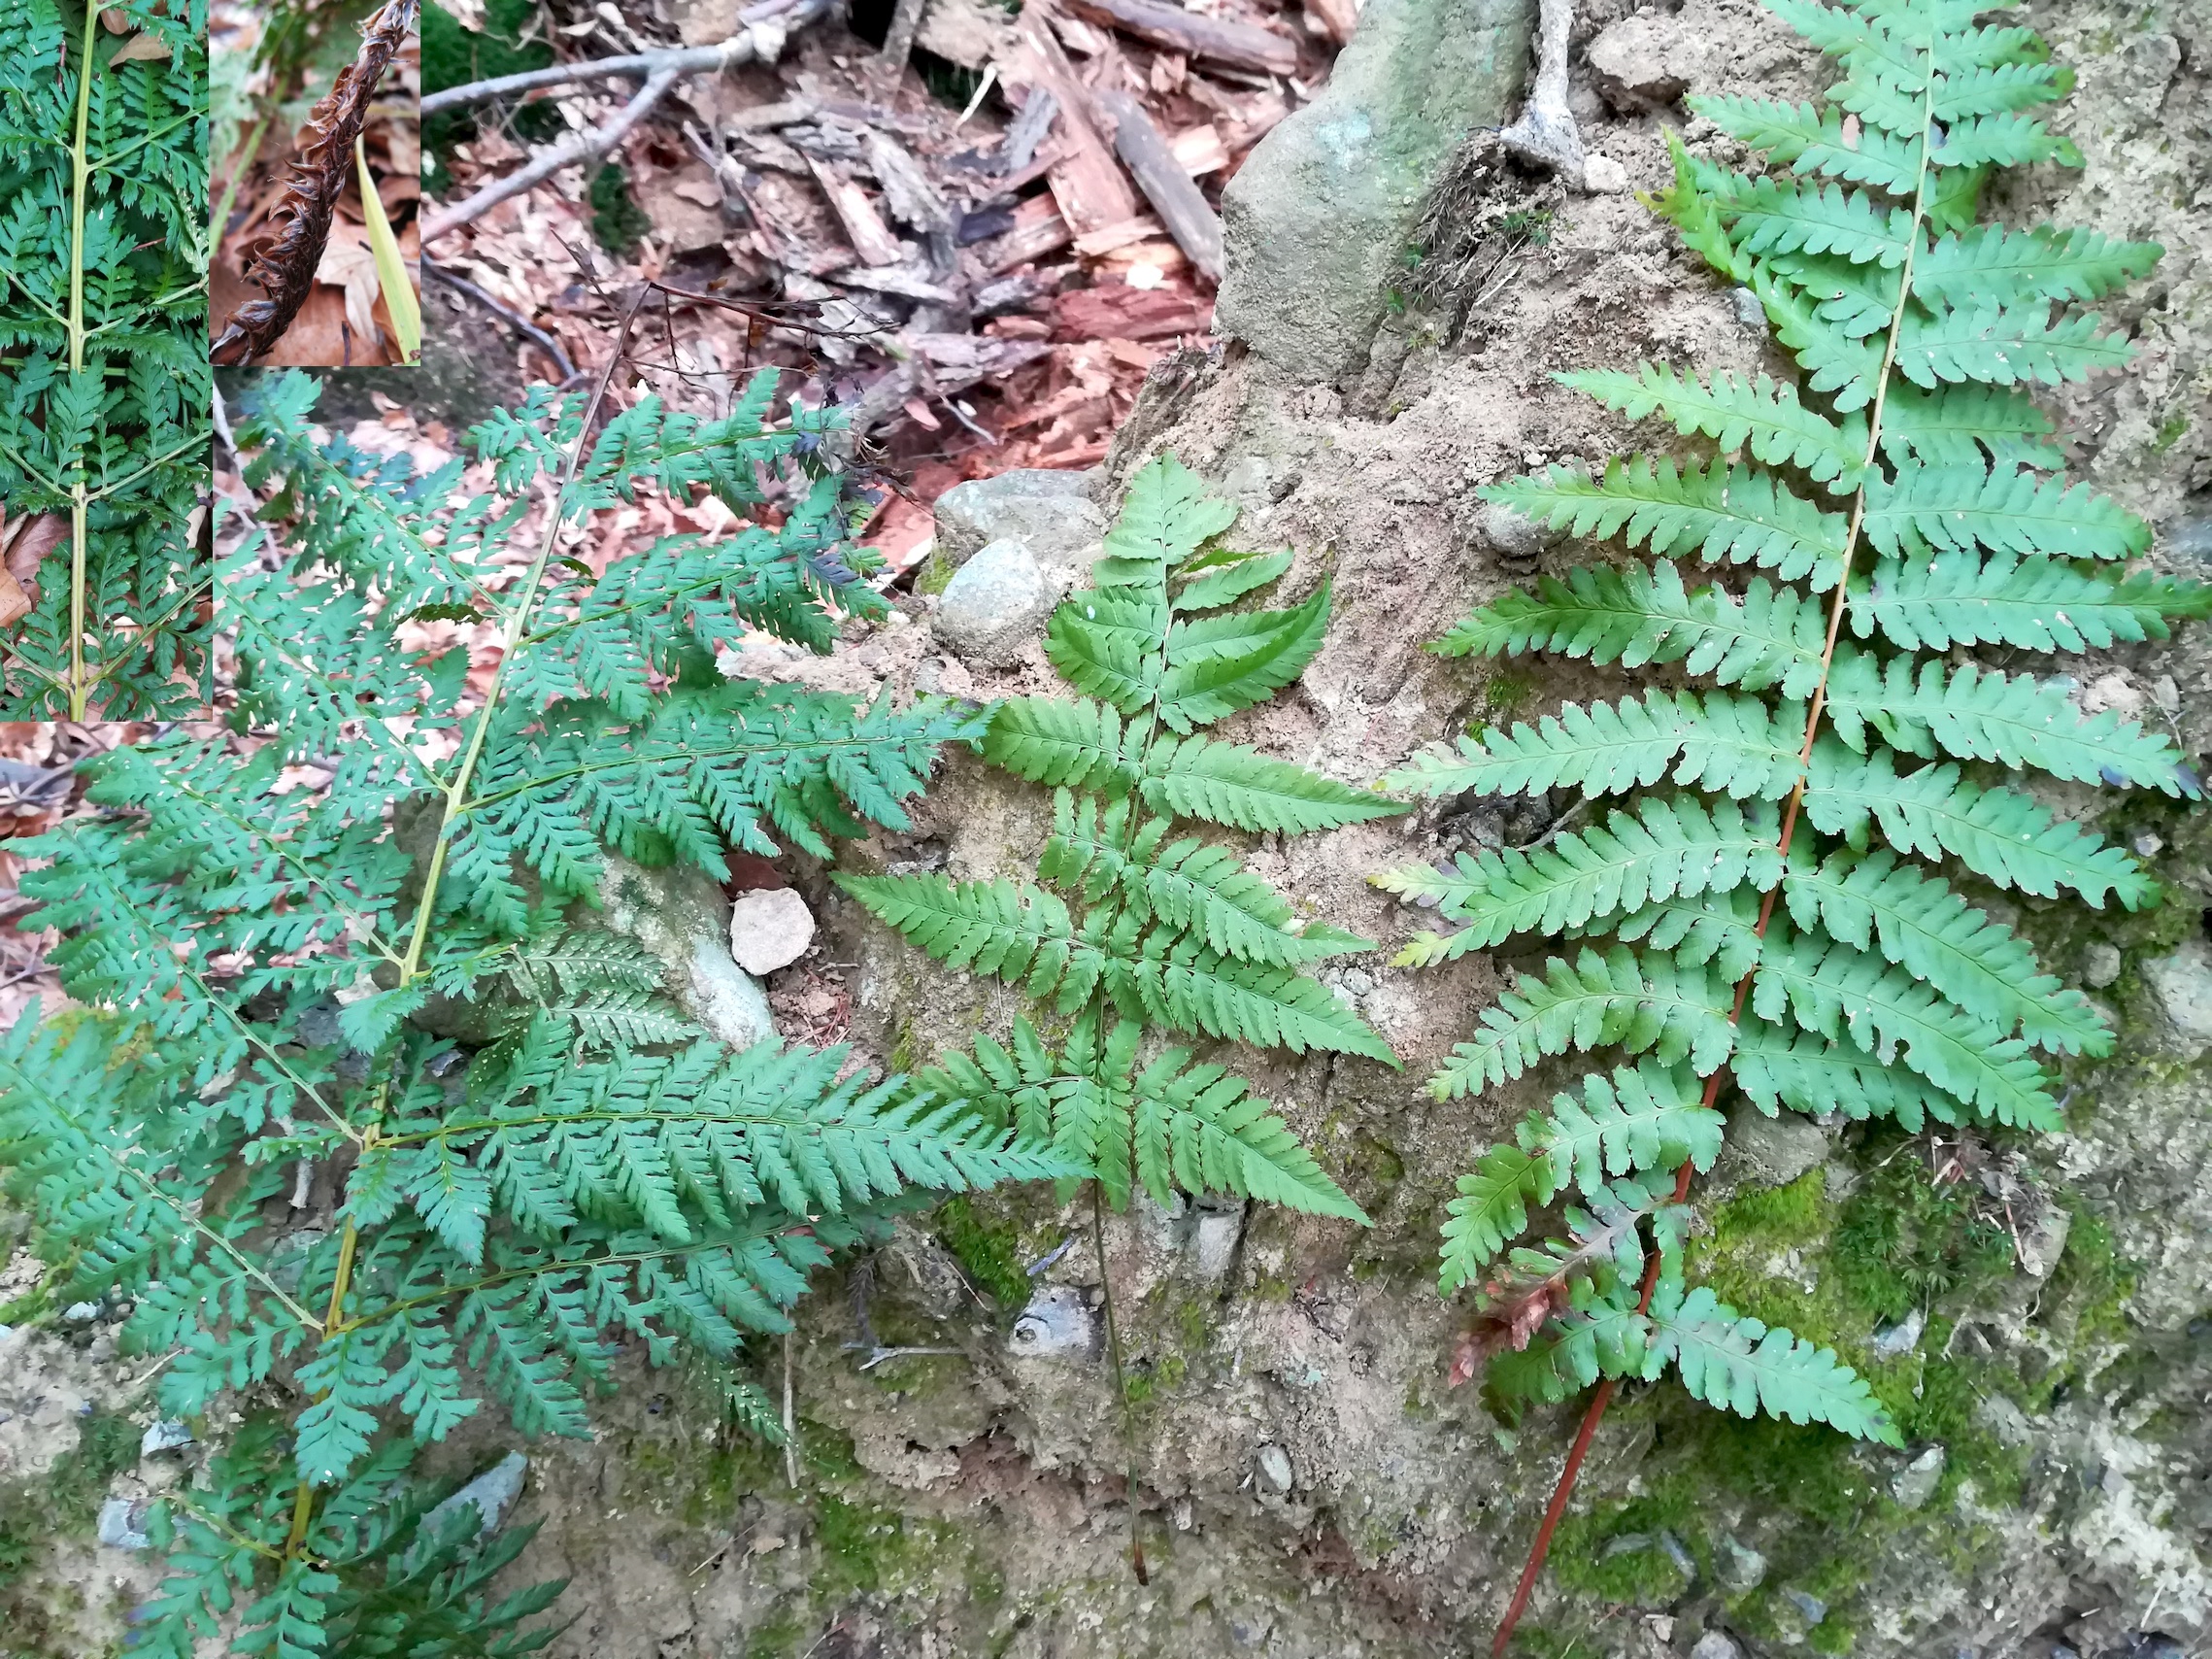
112 20
144 49
348 262
24 544
14 603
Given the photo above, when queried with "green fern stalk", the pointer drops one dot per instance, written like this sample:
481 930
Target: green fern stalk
1812 952
264 970
103 289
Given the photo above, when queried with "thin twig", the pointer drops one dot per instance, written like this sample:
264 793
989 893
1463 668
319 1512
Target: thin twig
739 47
513 319
581 147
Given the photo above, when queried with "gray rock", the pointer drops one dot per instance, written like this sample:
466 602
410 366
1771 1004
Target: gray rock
2004 1419
1058 1323
1806 1602
1214 1237
677 914
1272 1464
1740 1567
165 1436
1511 533
490 1494
81 1313
1644 61
768 929
2182 983
2100 965
1316 219
1049 511
122 1523
1916 1483
1713 1644
1902 1338
1773 1151
1749 311
995 604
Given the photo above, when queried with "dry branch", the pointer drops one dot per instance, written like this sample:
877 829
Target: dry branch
1239 46
1194 225
741 48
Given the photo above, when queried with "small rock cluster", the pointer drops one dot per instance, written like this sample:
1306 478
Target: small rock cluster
1020 541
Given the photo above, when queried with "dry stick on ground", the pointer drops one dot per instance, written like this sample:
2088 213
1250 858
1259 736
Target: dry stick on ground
739 47
898 41
1238 46
662 70
513 319
1145 152
283 269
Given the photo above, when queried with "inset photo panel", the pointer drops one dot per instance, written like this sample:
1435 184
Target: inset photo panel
105 607
317 133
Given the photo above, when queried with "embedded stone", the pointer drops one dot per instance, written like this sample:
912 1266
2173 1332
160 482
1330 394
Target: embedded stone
995 603
769 928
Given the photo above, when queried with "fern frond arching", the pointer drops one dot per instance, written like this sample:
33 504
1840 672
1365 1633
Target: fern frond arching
1641 1118
1982 715
1621 999
2036 604
1734 745
1768 417
1917 922
1665 849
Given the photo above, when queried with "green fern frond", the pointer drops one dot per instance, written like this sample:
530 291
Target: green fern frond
1725 514
1048 741
1979 714
2005 345
1624 1000
1954 426
1643 1118
1996 833
1762 416
1780 1064
2035 605
1837 988
1734 745
1222 783
1492 1211
1664 849
1993 262
1733 1361
1638 614
1917 922
2005 512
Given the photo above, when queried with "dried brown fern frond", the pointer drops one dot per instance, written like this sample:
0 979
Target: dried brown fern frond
283 267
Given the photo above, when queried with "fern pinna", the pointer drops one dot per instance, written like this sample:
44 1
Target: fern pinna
103 318
257 945
1132 923
1769 904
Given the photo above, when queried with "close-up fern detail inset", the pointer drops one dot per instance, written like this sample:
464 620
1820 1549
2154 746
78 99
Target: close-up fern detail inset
1132 923
1768 905
103 316
362 1231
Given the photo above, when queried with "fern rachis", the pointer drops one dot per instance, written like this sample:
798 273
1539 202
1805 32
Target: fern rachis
1896 503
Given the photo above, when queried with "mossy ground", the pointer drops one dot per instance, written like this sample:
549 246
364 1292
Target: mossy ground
64 1503
1835 1270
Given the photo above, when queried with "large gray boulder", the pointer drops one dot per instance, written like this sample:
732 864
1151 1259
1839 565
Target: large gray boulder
1318 218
